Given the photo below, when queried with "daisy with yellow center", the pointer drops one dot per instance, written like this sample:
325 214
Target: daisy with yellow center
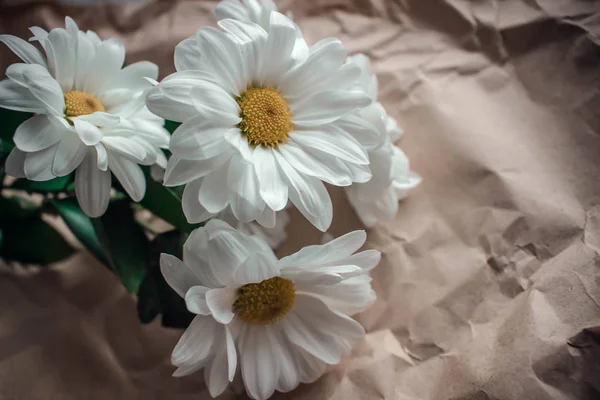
279 321
259 124
90 114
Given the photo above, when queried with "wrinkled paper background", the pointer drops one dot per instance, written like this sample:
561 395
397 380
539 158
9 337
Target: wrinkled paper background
489 286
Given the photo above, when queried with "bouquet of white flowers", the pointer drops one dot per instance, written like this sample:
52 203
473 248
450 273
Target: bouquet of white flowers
254 121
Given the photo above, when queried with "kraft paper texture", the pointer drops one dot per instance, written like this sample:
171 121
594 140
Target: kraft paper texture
489 285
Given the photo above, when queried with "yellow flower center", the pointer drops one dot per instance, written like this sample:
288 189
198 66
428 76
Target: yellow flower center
265 302
266 118
81 103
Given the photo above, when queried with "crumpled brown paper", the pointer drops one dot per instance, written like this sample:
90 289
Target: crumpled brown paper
489 286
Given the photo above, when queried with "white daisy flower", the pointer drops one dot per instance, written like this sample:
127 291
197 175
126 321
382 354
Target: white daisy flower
90 114
281 321
259 127
392 178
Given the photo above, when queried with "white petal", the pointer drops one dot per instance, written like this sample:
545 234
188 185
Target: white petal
349 296
102 119
132 76
61 46
37 133
108 60
276 54
69 154
392 128
172 99
196 342
38 164
43 86
366 260
216 372
231 354
309 367
153 132
244 210
24 50
267 219
360 129
211 99
126 147
288 375
88 133
258 267
14 96
220 304
213 194
309 195
325 107
180 171
344 78
92 186
102 156
177 274
360 173
241 179
223 57
238 141
321 275
15 163
319 330
232 10
251 38
368 80
193 210
335 143
273 189
199 138
259 362
195 254
326 254
187 55
129 174
195 300
332 170
85 53
226 253
326 57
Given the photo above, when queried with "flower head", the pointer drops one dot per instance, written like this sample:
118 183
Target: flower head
90 114
280 321
392 178
260 126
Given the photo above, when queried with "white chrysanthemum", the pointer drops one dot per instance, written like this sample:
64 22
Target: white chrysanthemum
392 178
281 321
259 127
90 114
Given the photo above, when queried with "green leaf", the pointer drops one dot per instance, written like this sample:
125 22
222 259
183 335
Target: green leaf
52 186
81 226
171 125
164 203
10 121
124 242
16 208
32 241
155 295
